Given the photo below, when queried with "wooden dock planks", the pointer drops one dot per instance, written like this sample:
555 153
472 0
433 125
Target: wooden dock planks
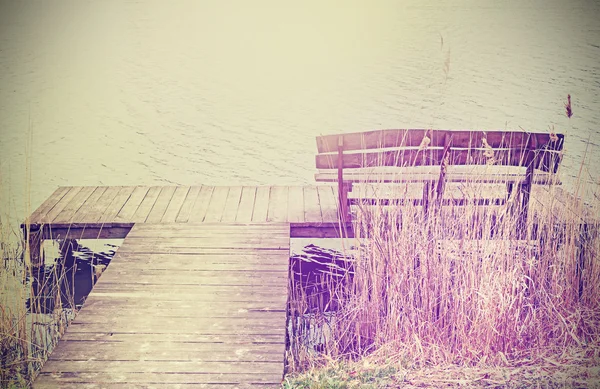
47 205
109 207
246 207
304 206
213 314
200 300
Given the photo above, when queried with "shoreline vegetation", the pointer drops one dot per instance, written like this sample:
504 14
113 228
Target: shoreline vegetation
459 299
456 299
34 312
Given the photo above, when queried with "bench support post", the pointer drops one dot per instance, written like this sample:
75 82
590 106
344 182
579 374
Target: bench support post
526 193
427 188
343 188
509 189
441 184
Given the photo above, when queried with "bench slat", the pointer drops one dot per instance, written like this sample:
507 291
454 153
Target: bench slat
460 139
543 160
539 178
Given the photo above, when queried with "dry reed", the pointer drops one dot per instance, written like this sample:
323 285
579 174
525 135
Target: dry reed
32 315
460 286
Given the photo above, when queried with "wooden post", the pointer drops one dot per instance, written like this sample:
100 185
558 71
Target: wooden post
509 189
526 190
33 243
426 191
342 188
585 237
441 184
526 193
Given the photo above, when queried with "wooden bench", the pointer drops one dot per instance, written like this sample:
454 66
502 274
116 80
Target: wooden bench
436 157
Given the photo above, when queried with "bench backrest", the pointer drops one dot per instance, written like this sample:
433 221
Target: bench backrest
419 147
443 148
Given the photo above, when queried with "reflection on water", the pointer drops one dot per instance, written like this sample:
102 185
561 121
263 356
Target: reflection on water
318 273
53 293
67 280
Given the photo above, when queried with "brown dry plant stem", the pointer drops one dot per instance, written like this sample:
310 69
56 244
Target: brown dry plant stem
460 286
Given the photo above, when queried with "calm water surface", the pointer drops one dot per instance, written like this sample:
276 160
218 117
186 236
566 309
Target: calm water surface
234 92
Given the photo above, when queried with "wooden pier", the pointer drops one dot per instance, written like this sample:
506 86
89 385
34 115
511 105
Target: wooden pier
182 305
196 296
110 212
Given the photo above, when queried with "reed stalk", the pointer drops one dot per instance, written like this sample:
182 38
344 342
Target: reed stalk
460 286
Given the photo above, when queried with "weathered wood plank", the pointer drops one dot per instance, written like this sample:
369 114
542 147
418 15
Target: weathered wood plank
96 210
169 351
454 173
47 205
160 206
202 233
258 265
201 250
86 232
195 367
81 214
413 138
232 204
184 292
324 230
189 309
51 384
218 240
201 205
68 212
56 379
183 325
278 204
158 277
253 257
295 204
312 206
188 203
214 249
217 204
111 212
142 212
241 314
215 227
329 203
151 385
106 336
202 293
246 207
61 204
175 204
201 275
137 196
261 204
415 157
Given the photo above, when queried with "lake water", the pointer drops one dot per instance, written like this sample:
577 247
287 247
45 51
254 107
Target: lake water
234 92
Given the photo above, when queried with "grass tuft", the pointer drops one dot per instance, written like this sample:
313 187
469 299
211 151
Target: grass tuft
458 296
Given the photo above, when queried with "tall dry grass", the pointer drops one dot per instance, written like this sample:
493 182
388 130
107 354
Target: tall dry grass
32 315
461 285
